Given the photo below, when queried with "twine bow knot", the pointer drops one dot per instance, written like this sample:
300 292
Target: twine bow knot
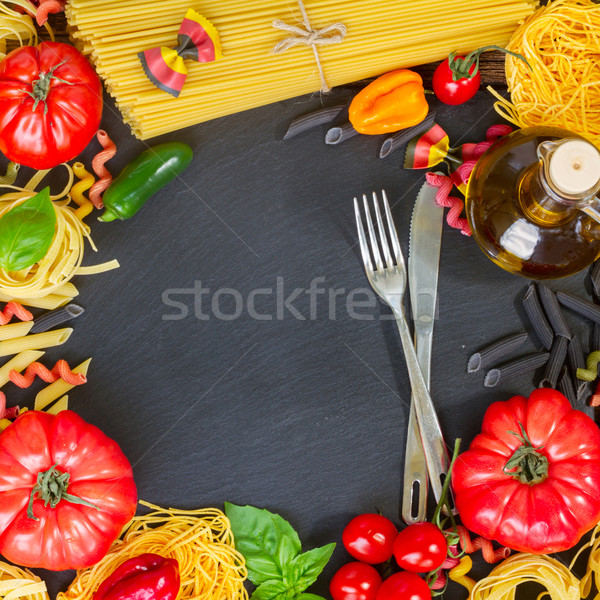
306 35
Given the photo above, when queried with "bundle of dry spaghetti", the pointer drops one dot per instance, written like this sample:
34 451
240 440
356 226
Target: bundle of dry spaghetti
200 540
46 284
380 36
561 44
16 582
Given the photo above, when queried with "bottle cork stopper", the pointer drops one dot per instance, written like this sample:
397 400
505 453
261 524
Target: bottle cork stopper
574 167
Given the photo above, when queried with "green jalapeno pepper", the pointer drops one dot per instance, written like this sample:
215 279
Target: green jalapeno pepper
142 178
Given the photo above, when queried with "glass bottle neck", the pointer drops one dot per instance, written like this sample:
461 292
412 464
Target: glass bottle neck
540 202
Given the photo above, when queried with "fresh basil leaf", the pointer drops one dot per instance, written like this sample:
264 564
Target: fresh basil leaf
273 589
266 540
26 232
305 568
306 596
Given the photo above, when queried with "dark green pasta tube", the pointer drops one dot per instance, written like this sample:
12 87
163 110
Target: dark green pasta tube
579 305
556 361
552 309
495 352
537 319
313 119
517 367
337 135
402 137
55 317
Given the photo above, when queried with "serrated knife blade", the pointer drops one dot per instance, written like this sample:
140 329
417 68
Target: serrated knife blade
423 265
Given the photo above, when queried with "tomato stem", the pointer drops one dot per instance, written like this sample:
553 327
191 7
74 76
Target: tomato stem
461 67
41 86
51 487
527 464
451 535
444 498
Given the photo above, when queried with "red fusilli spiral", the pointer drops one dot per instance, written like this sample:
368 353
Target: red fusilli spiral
47 7
104 176
445 183
443 198
449 563
14 309
469 545
61 370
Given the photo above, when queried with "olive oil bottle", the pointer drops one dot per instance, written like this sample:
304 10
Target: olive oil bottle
531 203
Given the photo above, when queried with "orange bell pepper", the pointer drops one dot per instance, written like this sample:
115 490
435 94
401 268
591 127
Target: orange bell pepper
392 102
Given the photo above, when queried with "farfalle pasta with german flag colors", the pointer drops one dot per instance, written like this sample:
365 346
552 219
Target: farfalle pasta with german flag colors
236 359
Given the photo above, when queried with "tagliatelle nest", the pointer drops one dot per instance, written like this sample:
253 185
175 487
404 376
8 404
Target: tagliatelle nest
20 583
520 568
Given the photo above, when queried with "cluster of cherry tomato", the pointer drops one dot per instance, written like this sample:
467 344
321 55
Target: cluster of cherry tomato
373 539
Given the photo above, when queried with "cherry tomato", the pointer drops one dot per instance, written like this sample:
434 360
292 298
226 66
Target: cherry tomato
370 538
355 581
455 92
420 547
404 586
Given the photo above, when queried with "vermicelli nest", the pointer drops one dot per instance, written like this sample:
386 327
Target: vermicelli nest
200 540
562 89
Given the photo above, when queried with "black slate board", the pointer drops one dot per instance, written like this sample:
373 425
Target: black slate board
303 416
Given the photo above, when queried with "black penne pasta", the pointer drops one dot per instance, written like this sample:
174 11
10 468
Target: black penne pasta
313 119
596 337
404 136
575 356
336 135
583 393
537 318
552 309
580 305
565 386
596 278
55 317
495 352
558 354
521 365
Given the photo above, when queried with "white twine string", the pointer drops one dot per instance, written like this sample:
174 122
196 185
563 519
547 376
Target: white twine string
332 34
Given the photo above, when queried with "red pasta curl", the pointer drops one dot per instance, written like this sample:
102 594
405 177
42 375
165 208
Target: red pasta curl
443 198
490 555
445 183
47 7
450 562
104 176
7 413
61 370
14 309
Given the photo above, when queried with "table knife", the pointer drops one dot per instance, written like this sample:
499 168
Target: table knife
423 261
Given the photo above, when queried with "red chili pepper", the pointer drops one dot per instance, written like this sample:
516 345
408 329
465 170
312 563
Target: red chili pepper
144 577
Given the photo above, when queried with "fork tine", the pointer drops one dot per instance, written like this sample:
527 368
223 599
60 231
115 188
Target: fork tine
362 238
382 235
392 229
373 238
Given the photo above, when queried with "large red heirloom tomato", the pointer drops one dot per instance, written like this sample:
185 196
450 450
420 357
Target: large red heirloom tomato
50 104
66 491
530 479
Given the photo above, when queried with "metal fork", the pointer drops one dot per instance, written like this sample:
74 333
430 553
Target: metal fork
388 279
